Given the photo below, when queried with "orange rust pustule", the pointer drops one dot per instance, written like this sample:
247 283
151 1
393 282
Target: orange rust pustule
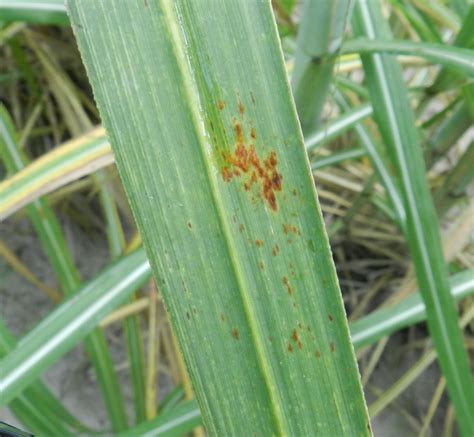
258 243
318 354
246 164
253 134
220 105
238 134
331 346
297 339
287 285
241 108
222 317
235 333
290 347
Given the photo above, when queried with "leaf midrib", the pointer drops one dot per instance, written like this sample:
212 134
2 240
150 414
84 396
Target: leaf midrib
195 107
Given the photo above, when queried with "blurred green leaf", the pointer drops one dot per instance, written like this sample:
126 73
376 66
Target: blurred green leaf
395 121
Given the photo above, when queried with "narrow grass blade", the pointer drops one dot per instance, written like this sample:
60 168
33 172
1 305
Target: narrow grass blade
411 310
36 407
380 164
336 127
336 158
54 244
395 121
132 330
456 181
70 323
319 39
173 423
449 131
171 399
465 38
34 11
64 164
245 273
455 58
424 28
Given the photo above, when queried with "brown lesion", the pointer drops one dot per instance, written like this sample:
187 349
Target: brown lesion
297 340
291 229
275 250
286 283
259 175
241 108
235 334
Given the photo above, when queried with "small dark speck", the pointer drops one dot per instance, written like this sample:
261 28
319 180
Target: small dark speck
235 333
187 315
331 346
330 317
290 347
318 354
222 317
190 225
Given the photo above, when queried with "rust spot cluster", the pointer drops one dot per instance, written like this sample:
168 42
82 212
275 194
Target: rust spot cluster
291 229
258 174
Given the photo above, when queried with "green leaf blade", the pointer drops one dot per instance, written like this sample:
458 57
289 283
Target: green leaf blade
243 264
